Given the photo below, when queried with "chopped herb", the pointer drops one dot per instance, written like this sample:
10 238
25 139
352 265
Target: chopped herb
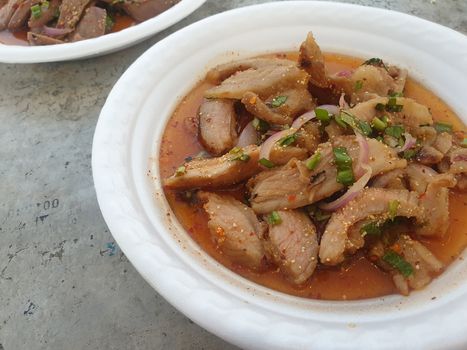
393 206
341 157
237 154
260 125
379 138
36 11
443 127
409 154
464 142
340 122
345 177
287 140
395 131
396 94
392 105
377 62
358 85
379 107
317 214
181 170
313 161
372 228
364 127
266 163
378 124
355 123
109 23
322 115
274 218
398 262
278 101
45 6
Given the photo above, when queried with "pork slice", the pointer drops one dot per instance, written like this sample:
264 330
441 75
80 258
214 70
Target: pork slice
223 71
142 10
47 15
309 137
261 110
294 186
7 11
235 229
40 39
293 245
371 203
92 25
3 3
20 16
312 60
225 170
264 82
393 179
217 125
443 142
71 12
458 158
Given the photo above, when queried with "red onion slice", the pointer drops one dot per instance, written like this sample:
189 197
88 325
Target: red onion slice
343 103
54 32
344 73
363 154
248 136
267 146
351 193
410 141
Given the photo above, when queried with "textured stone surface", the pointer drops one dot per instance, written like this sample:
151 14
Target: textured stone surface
64 284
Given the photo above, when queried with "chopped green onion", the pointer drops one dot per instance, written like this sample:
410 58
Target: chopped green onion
392 105
464 142
36 11
313 161
378 124
180 170
274 218
409 154
322 115
379 107
364 127
237 154
340 122
278 101
266 163
443 127
317 214
341 157
358 85
260 125
398 262
355 123
393 206
396 94
379 138
372 228
287 140
45 5
395 131
109 23
345 177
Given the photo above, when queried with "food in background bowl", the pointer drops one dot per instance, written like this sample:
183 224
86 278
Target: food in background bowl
319 175
48 22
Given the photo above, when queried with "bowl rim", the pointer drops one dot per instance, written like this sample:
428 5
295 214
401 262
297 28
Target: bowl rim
100 45
245 311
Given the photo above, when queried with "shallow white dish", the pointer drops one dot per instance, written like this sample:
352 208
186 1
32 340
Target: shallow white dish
251 316
101 45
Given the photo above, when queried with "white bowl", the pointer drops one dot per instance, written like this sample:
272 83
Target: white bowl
101 45
127 141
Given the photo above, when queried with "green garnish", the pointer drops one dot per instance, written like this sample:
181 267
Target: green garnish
378 124
278 101
345 177
274 218
356 123
372 228
322 115
398 262
237 154
45 5
396 94
36 11
109 23
393 206
464 142
266 163
317 214
443 127
375 61
340 122
287 140
392 105
341 157
409 154
380 107
379 138
313 161
260 125
181 170
358 85
395 131
364 127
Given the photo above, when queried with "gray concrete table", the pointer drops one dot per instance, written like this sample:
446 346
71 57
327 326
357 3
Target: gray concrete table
64 283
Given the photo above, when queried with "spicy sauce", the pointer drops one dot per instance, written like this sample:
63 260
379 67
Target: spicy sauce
357 278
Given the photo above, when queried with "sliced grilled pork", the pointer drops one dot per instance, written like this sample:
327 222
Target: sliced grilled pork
47 14
40 39
235 229
7 11
311 59
293 245
142 10
20 16
71 12
92 25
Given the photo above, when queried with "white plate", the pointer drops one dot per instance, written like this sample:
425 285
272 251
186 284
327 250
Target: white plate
101 45
128 135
